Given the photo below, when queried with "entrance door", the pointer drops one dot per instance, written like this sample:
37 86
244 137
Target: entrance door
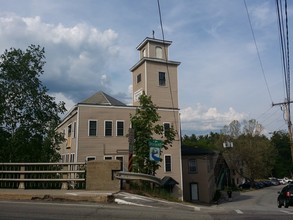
194 191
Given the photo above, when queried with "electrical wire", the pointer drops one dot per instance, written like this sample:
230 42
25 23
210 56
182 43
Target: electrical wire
167 65
284 46
258 55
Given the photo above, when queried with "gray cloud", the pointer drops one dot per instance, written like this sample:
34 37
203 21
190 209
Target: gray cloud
76 57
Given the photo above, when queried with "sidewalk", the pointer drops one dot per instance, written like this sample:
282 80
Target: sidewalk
57 195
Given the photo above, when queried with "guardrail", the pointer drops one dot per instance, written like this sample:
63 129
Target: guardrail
138 176
42 175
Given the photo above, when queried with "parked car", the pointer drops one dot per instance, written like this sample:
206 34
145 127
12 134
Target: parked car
287 180
246 185
275 182
285 197
282 181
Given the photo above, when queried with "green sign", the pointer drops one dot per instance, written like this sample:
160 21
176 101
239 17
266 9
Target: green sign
155 143
155 149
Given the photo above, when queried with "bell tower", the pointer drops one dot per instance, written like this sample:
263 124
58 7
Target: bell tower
155 74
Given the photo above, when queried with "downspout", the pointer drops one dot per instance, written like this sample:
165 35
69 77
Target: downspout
146 78
180 153
77 135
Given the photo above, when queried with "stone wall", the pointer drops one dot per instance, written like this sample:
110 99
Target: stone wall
100 175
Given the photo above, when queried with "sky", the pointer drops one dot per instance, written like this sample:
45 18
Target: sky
224 74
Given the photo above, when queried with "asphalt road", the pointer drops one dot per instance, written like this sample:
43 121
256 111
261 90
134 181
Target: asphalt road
65 211
259 204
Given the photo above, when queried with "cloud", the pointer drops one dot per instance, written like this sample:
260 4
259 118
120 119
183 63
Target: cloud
77 57
261 15
59 97
203 118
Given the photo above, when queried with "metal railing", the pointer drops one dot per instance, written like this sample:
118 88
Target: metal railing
138 176
42 175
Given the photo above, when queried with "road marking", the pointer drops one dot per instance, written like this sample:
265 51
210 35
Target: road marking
287 212
123 202
238 211
72 194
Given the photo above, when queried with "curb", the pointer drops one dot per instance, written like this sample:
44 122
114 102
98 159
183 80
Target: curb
98 198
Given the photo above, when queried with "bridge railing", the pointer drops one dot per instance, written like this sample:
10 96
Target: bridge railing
42 175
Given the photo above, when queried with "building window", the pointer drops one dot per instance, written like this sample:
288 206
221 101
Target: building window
92 128
108 157
69 130
143 53
89 158
108 128
138 78
192 166
72 156
137 94
74 129
167 127
159 52
120 128
162 79
168 163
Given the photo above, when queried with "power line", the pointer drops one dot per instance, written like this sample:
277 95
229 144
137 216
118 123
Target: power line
167 66
258 55
284 37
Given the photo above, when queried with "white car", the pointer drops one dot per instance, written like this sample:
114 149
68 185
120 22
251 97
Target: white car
282 181
287 180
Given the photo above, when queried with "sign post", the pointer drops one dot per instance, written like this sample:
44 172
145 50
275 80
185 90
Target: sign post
130 143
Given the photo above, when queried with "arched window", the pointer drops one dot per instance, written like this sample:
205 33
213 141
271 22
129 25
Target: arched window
144 53
159 52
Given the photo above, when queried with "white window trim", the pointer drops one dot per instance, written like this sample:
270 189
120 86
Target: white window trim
165 163
170 125
74 129
71 157
137 94
108 157
105 128
123 128
68 130
88 127
138 75
159 52
87 157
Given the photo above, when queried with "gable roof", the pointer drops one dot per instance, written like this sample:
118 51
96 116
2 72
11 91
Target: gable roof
187 150
101 98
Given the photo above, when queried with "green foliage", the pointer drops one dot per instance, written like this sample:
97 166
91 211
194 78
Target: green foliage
145 125
281 141
205 141
28 115
252 155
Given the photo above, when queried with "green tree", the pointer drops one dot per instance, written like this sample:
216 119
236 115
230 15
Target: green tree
252 155
146 126
28 115
209 141
284 165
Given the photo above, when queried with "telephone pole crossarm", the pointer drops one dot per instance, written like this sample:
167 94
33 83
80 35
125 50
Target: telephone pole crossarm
282 103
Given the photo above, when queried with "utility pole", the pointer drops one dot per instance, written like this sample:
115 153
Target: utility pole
286 109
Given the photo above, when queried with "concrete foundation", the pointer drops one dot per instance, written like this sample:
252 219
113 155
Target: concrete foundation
100 175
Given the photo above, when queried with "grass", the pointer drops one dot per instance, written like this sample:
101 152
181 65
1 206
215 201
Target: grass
148 190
